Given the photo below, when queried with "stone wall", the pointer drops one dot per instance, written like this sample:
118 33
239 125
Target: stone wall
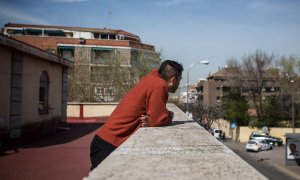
183 150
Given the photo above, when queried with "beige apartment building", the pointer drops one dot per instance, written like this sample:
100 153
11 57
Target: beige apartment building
33 88
107 62
211 90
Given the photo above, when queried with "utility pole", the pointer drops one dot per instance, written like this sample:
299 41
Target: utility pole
293 107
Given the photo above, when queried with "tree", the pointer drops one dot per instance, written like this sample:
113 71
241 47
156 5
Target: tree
205 116
255 77
79 83
268 89
234 108
271 112
288 65
236 77
106 75
289 85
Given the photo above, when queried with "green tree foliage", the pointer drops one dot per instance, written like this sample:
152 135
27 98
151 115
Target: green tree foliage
271 112
234 108
258 74
289 82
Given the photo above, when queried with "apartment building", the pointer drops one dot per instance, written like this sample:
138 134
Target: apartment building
211 90
107 62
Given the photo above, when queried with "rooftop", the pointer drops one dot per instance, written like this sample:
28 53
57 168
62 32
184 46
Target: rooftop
16 25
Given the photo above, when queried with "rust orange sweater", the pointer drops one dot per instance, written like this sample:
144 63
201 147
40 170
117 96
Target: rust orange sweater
149 96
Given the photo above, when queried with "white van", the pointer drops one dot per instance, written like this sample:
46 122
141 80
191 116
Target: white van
217 133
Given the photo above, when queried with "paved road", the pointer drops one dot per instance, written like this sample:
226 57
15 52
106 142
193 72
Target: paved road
64 155
269 163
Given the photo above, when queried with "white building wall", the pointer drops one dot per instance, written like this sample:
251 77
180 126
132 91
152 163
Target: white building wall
85 35
32 70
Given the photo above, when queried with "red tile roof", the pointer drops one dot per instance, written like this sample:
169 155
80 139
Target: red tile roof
224 73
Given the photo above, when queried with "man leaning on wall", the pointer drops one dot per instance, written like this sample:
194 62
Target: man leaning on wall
144 105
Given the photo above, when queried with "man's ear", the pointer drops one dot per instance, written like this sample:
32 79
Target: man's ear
173 80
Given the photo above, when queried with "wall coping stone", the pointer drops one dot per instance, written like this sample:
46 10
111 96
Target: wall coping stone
183 150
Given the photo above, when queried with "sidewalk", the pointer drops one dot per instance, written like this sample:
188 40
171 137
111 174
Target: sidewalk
275 157
63 155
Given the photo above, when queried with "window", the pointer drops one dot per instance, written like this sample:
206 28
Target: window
200 89
104 36
218 99
101 74
96 36
102 55
15 31
66 52
58 33
112 36
33 32
43 93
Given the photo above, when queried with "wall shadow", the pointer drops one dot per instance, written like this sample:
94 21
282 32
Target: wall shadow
62 135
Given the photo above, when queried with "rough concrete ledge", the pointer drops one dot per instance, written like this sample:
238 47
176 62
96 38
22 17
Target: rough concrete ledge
183 150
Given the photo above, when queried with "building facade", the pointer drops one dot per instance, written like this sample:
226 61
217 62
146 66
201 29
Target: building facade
33 88
107 62
211 90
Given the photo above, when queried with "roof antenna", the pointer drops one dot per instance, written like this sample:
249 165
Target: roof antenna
109 18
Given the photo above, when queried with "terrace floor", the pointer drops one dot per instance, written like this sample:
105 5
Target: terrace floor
63 155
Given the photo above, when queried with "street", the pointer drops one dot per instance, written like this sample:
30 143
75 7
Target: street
270 163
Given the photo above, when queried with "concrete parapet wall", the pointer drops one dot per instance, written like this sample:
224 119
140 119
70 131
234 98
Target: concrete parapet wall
183 150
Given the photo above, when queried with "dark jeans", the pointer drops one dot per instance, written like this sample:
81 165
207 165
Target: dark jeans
99 150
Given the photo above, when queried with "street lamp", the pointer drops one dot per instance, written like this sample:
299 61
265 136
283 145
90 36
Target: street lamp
293 107
187 82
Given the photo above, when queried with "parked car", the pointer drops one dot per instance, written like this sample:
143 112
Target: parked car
258 145
275 141
217 133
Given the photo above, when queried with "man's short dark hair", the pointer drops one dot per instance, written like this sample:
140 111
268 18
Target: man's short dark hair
170 68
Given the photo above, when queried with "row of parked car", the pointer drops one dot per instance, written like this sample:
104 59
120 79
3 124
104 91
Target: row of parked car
258 141
261 141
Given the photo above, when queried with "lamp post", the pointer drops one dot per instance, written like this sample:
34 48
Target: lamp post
187 81
293 107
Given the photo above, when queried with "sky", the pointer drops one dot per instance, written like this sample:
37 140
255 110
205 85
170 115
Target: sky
187 31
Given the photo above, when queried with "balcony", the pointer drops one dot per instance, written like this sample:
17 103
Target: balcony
183 150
